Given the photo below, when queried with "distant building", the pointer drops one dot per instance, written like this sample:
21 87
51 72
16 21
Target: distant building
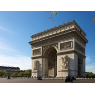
11 69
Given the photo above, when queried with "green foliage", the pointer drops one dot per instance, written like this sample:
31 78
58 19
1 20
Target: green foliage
5 73
90 75
52 13
27 73
2 73
14 74
21 74
86 74
94 19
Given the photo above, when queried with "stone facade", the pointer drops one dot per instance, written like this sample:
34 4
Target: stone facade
59 51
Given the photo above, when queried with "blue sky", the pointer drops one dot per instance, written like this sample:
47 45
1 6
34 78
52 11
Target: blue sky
16 27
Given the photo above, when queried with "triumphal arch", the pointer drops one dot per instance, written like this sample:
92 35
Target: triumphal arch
59 51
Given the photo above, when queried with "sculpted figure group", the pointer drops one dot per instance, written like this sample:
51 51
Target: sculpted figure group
65 62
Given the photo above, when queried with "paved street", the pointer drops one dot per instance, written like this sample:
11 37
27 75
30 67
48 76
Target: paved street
30 80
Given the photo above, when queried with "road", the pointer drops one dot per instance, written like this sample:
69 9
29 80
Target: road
30 80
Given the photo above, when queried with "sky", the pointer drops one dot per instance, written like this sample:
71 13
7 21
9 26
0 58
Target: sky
18 21
16 27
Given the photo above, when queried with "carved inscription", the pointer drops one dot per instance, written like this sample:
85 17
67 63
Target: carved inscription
66 45
79 47
37 51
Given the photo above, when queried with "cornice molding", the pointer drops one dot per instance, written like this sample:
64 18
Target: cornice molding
54 28
58 27
59 34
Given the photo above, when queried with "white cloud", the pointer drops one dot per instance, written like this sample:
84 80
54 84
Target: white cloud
21 61
90 65
8 31
11 57
4 29
5 47
90 68
3 40
88 59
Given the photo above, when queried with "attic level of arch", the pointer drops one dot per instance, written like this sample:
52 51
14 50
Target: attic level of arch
59 29
70 32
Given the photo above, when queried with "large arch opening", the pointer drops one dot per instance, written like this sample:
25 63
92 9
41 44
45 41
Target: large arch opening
51 58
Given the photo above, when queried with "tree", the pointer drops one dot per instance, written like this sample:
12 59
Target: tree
89 75
93 75
52 13
94 19
86 74
14 74
28 73
3 73
21 74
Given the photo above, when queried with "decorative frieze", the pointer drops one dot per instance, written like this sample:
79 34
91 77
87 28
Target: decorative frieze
66 45
51 45
79 48
37 51
55 30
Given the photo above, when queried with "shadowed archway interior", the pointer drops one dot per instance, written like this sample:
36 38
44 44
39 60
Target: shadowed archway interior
51 62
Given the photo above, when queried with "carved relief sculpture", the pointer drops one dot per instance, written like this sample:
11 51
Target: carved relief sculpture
66 45
36 65
65 62
37 51
47 46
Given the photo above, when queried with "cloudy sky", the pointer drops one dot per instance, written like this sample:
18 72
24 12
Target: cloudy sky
16 27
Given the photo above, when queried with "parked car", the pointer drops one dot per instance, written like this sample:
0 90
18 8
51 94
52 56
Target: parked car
69 79
39 78
73 78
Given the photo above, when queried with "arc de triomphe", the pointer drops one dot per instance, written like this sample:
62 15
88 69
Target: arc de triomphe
59 51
